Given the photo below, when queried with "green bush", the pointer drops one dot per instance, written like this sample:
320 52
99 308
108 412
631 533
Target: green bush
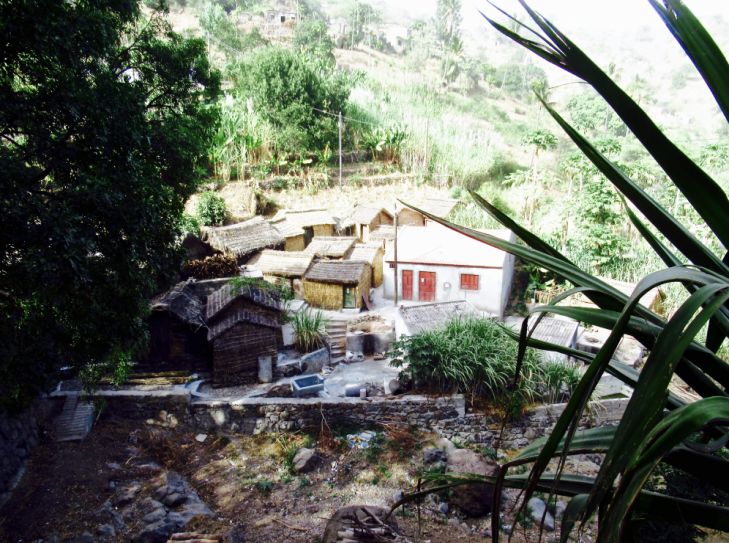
472 356
309 330
211 210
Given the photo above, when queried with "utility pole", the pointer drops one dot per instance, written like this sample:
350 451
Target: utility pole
340 149
427 130
396 278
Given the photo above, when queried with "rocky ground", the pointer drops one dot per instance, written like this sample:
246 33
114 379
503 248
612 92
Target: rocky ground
142 484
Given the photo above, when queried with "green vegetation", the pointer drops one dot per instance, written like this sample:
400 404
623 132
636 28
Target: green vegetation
105 123
477 357
658 427
309 330
211 210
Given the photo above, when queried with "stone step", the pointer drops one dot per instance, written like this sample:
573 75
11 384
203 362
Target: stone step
75 421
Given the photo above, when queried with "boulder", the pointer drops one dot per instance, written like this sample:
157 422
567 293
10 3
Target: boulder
473 499
434 454
537 510
305 460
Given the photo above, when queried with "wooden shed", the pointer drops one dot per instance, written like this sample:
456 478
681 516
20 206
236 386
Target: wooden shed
372 253
366 219
332 247
244 239
312 222
244 330
337 284
285 267
177 328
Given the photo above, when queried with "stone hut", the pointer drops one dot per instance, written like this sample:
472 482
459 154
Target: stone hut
373 254
244 239
285 267
366 219
244 330
337 284
331 247
178 334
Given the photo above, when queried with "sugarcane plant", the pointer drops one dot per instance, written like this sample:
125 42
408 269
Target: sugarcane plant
658 427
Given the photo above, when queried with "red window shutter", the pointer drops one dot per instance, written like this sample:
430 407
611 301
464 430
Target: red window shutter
469 281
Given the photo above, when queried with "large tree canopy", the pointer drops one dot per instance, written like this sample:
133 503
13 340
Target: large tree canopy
105 116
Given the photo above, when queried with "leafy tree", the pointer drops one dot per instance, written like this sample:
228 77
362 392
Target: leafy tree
517 79
360 16
211 209
216 23
589 112
311 37
447 24
104 124
291 95
541 139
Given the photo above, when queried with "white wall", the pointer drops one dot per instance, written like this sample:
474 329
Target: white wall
493 290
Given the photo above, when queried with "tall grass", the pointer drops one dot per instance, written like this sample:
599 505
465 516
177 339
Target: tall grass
309 330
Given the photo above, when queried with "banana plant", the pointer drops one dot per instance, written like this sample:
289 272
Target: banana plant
657 426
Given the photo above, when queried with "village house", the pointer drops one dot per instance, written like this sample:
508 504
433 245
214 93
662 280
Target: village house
244 239
244 331
331 247
440 207
337 284
384 235
292 233
312 222
283 267
437 264
178 334
372 253
364 220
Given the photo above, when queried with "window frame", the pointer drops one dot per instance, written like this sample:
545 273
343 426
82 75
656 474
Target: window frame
468 284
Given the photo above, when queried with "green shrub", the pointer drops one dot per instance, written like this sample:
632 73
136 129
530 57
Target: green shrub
309 330
211 209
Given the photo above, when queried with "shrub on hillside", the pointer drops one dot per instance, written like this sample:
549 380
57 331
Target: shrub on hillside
211 209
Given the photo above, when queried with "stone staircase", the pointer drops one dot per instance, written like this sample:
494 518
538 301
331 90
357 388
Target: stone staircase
336 329
75 421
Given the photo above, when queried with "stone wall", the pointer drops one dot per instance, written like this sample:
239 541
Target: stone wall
19 434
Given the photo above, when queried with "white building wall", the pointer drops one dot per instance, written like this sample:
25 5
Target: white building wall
493 290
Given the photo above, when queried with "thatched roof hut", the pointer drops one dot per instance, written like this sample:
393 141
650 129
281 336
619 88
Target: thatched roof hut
313 222
285 267
220 300
292 233
330 246
365 219
373 254
440 207
337 284
178 331
244 238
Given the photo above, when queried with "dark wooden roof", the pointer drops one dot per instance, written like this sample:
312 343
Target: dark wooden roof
223 297
242 315
340 272
182 302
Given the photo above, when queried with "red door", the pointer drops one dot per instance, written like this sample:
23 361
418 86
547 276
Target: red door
407 284
426 286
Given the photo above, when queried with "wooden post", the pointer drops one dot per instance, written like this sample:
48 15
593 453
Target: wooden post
340 149
396 278
427 130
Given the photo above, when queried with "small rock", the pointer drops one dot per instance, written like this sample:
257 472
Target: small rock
106 530
85 537
155 533
154 516
305 460
473 499
538 509
174 499
433 454
559 509
147 505
443 507
200 438
114 466
399 495
126 495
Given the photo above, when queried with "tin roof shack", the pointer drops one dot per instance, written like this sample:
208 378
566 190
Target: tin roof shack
244 330
373 254
285 267
178 335
244 239
337 284
332 247
440 207
312 222
437 264
366 219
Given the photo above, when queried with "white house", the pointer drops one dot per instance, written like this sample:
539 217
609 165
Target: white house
437 264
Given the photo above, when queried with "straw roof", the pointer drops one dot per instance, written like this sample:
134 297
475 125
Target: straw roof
244 238
284 263
339 272
242 315
287 229
365 252
330 246
223 297
438 245
181 302
426 317
304 217
439 207
385 232
366 214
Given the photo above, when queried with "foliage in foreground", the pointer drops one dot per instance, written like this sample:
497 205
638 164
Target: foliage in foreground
477 357
658 427
309 330
105 120
211 209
